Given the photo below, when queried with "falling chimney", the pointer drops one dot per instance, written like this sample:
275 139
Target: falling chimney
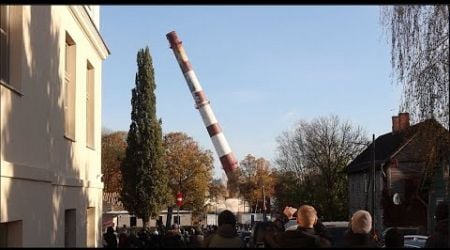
403 120
395 124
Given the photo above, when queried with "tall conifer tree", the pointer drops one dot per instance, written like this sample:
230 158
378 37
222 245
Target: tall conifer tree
144 179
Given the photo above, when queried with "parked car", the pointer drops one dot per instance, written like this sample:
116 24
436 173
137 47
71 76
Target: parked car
404 230
415 241
291 224
337 230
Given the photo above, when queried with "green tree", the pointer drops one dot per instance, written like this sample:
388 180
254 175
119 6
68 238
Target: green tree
289 191
190 170
144 177
419 37
312 159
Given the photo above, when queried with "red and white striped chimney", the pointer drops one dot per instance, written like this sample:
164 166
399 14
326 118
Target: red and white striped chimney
226 156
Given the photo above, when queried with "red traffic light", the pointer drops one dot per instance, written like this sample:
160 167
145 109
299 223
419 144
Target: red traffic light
179 199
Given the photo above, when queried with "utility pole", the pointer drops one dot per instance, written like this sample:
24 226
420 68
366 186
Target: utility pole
374 191
264 204
178 207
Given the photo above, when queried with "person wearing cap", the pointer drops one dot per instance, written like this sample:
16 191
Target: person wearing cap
439 239
359 234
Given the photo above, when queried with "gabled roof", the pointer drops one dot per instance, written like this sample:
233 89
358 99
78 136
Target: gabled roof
386 145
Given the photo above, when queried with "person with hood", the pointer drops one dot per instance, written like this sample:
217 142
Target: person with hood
439 239
359 234
226 235
110 238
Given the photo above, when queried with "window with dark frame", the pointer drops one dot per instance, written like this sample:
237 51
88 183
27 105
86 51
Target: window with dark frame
4 44
69 88
90 106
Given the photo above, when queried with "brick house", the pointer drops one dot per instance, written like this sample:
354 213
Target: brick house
411 163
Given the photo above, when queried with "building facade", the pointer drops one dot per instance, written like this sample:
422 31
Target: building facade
411 165
50 117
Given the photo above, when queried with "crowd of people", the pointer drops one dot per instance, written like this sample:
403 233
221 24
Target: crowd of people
307 231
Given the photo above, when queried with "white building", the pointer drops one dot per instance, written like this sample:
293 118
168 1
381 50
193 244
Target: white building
50 117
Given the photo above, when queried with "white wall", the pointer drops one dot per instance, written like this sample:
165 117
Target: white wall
42 173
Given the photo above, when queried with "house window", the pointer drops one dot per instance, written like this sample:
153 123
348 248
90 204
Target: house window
70 228
11 234
90 242
90 102
176 219
365 183
69 89
4 44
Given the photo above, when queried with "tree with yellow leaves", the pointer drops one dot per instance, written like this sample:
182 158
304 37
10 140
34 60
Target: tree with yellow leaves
190 170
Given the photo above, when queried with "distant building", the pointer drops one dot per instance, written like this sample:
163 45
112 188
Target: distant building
50 119
411 165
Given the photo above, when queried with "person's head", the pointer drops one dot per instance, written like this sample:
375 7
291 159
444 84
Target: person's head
110 229
227 217
394 238
197 231
361 222
306 216
175 226
441 211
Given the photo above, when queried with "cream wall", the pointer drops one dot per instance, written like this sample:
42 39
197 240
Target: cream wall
43 173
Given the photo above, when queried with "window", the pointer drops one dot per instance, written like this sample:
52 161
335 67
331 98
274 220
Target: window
69 89
90 242
11 46
11 234
365 183
90 102
4 44
176 219
70 232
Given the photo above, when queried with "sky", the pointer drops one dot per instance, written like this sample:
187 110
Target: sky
263 68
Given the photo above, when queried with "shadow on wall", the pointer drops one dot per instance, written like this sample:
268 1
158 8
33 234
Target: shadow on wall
32 136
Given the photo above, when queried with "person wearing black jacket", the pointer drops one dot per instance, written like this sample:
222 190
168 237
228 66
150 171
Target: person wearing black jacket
358 235
110 238
309 232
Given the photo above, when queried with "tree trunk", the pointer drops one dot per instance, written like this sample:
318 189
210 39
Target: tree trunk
145 223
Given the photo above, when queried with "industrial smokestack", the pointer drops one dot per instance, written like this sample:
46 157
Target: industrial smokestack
226 156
